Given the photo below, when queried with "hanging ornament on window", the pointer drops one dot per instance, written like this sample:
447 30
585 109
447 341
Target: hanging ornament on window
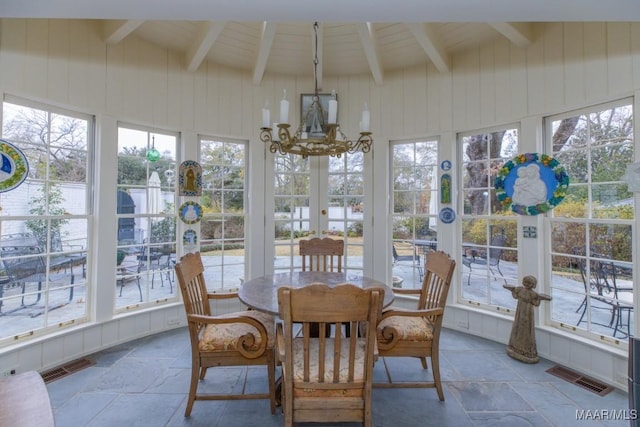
153 155
14 166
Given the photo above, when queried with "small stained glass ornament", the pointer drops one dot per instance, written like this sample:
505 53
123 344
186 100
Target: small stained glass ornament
153 155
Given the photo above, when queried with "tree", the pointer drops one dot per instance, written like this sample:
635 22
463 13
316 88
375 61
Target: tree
482 151
49 202
592 148
58 143
223 175
133 165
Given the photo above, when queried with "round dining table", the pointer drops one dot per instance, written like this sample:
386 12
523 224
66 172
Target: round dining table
261 293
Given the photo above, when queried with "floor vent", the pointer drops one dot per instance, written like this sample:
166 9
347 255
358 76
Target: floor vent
68 369
583 381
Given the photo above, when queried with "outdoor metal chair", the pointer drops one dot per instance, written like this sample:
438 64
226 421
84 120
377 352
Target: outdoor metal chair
157 258
27 264
492 260
414 259
600 278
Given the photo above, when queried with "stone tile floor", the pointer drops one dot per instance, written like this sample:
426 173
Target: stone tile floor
145 383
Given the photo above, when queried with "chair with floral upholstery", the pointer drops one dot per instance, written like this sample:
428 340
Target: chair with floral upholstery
327 379
416 333
233 339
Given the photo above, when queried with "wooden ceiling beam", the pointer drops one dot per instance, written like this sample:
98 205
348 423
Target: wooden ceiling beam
370 50
207 35
428 38
266 41
518 33
116 31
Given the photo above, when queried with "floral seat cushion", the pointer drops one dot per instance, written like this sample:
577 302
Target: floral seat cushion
410 328
221 337
298 361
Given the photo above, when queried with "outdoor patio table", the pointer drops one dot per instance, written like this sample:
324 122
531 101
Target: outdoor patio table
425 246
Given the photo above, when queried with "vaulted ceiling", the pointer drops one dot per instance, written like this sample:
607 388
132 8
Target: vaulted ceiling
354 37
343 48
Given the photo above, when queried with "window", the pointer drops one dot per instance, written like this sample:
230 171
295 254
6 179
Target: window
146 214
591 231
489 240
346 208
44 223
292 197
318 196
414 209
224 197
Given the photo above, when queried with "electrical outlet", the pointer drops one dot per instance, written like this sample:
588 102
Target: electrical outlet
462 323
8 372
173 321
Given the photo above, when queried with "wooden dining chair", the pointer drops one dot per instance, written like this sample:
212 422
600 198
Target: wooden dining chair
321 254
233 339
327 379
416 333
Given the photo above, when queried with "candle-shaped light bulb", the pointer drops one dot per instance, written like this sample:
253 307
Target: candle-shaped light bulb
266 115
284 109
366 118
333 109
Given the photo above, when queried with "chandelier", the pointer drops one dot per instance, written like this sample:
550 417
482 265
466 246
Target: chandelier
319 132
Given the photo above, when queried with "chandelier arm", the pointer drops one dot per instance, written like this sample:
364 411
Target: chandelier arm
362 144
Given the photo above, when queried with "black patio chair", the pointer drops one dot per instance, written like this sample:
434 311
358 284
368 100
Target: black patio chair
158 256
27 264
609 273
413 258
600 278
493 260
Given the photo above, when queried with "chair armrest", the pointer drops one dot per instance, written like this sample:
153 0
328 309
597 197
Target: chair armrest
246 344
376 351
228 318
388 336
403 291
412 313
280 342
227 294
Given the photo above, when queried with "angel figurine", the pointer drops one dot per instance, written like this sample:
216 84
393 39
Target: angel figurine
522 343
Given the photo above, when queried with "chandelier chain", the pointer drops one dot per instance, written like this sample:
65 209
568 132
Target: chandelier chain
315 57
